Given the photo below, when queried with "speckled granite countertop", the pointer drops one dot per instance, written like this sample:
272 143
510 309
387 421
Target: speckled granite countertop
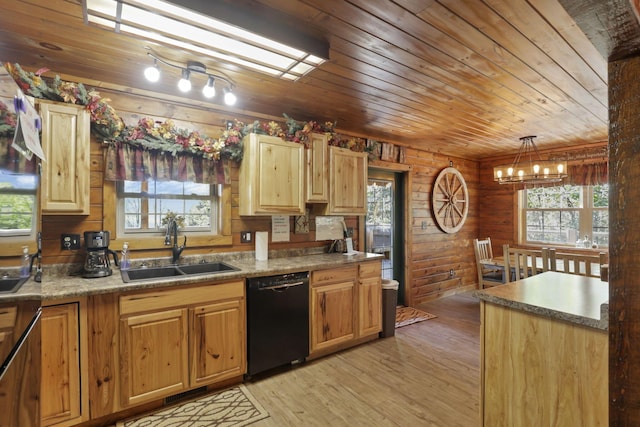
567 297
58 284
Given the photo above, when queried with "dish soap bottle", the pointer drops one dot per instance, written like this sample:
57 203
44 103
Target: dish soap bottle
124 257
25 263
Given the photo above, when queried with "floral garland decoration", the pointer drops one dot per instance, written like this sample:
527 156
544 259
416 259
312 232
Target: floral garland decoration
8 120
165 136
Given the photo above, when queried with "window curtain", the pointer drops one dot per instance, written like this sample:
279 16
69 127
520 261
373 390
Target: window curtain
588 173
127 162
14 162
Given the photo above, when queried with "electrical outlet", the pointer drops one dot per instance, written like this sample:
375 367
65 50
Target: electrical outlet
69 241
452 273
245 237
349 231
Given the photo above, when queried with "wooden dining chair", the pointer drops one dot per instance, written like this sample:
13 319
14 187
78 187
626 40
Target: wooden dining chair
487 276
522 263
580 264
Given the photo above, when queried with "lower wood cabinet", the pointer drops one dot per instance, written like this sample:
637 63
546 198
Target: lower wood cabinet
369 298
346 305
172 340
332 307
64 394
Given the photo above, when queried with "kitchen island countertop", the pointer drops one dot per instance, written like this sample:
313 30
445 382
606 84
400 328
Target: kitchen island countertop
568 297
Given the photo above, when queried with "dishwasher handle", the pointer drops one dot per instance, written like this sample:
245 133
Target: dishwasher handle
282 286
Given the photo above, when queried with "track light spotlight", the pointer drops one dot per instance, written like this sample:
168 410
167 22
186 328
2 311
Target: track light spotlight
209 90
185 84
229 97
152 72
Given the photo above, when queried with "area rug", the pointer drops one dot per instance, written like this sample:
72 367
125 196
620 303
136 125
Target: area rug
409 315
234 407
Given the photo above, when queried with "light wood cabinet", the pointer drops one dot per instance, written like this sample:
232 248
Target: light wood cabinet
332 307
154 355
64 394
347 182
317 168
66 171
175 339
271 176
369 298
346 306
218 349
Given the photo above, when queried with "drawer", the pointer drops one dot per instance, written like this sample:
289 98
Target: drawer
8 317
179 297
371 269
321 277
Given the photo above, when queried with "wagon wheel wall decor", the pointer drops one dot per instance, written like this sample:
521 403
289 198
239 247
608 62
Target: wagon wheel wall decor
450 200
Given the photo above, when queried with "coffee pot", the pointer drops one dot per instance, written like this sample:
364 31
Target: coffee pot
97 263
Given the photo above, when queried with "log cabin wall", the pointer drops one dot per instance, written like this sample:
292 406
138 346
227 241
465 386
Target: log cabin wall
430 254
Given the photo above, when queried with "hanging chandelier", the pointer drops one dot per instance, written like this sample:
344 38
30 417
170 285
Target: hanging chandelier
529 168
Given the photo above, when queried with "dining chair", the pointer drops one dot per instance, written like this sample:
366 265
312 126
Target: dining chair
580 264
522 263
487 276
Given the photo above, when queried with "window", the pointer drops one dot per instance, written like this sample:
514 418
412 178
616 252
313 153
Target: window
142 206
566 215
18 210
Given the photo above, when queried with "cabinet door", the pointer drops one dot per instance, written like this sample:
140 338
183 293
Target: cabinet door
271 177
332 315
66 144
348 182
370 306
61 387
153 354
217 342
317 179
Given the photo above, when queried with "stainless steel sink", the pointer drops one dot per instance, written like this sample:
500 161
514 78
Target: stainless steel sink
149 273
11 284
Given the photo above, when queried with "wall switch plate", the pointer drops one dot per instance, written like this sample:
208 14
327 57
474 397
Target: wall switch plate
245 237
69 241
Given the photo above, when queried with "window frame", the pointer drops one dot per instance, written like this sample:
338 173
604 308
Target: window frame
12 244
585 223
156 241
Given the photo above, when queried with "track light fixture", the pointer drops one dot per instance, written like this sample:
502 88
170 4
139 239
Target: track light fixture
152 73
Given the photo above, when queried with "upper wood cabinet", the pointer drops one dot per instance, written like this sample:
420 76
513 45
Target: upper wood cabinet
347 182
317 177
271 176
66 171
64 392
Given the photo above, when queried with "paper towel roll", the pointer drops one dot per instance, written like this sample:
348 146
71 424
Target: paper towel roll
262 245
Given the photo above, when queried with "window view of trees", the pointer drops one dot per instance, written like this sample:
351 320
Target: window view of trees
567 215
145 204
17 204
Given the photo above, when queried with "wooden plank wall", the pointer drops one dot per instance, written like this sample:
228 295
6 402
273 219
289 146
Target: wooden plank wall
432 252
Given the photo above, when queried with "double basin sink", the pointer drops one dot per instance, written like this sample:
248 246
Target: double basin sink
149 273
11 284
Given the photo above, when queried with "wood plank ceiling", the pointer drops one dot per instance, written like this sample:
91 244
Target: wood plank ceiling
464 78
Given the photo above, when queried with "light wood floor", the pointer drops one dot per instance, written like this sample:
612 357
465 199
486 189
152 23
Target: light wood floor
426 375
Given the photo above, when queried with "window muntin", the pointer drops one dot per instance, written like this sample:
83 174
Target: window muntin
562 215
18 209
143 205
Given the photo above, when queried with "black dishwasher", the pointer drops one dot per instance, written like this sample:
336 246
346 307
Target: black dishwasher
277 321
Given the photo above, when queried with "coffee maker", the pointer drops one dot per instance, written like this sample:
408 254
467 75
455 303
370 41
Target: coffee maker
97 263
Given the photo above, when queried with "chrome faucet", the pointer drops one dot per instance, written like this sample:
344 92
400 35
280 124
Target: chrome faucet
172 228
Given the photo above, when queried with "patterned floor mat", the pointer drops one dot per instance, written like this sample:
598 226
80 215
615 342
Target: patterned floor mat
234 407
409 315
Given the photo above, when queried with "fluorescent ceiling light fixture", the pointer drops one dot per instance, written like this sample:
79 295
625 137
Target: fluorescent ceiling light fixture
172 25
